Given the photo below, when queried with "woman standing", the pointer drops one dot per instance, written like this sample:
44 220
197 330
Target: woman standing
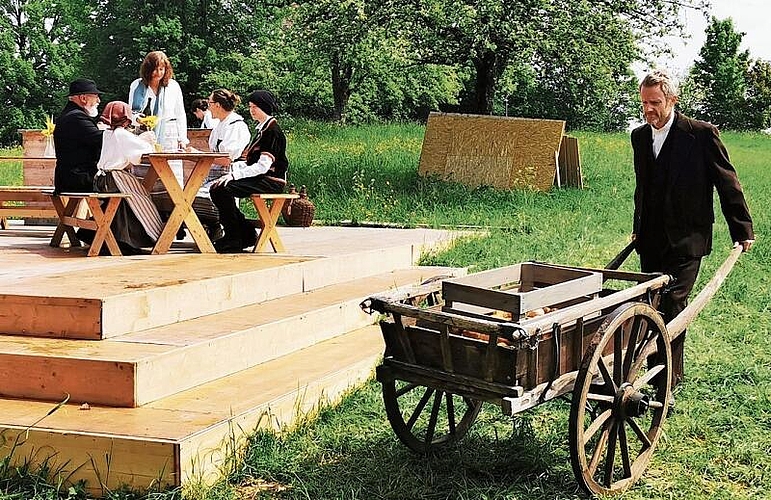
263 171
231 136
156 92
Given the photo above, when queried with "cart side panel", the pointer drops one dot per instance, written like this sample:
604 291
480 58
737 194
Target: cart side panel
467 356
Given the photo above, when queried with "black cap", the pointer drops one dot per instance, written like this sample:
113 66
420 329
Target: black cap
264 100
83 86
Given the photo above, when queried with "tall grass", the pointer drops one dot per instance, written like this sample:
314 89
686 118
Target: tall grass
716 445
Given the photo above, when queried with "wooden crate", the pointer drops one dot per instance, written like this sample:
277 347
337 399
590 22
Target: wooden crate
519 288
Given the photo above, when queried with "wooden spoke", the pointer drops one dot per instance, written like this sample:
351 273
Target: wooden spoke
634 334
624 448
610 456
450 412
606 374
600 397
648 376
600 448
640 434
596 425
606 459
419 408
434 416
404 390
424 429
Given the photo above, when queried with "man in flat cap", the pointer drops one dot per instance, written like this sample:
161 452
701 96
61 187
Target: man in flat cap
77 139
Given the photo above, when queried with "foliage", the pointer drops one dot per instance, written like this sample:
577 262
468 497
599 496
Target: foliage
758 102
720 76
39 54
559 39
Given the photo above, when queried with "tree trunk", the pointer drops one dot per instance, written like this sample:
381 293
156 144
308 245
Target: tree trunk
341 86
488 69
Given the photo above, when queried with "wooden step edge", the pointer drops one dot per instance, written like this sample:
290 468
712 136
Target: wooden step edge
229 409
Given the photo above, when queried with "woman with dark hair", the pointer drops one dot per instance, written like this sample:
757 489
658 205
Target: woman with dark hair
263 170
156 93
200 108
231 136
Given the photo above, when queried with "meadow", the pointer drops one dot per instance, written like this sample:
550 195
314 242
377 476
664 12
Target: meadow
717 444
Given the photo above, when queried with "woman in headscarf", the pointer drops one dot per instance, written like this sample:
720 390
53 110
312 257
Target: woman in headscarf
156 93
137 223
263 171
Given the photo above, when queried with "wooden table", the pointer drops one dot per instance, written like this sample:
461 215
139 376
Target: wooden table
181 196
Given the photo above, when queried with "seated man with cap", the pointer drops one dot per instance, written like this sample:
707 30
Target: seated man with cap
77 139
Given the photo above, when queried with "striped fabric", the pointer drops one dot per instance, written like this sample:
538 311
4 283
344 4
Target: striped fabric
139 202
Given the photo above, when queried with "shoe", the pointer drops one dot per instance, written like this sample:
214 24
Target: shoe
249 238
180 234
215 232
227 245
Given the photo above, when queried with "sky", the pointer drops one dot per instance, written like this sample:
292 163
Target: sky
749 16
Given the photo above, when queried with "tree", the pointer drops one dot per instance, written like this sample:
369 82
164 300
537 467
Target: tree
39 52
719 76
490 35
758 104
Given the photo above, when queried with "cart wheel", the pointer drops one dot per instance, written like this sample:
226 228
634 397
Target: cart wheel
620 399
425 418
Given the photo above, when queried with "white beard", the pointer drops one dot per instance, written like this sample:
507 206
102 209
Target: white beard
93 112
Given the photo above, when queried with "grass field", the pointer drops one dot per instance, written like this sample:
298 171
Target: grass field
717 445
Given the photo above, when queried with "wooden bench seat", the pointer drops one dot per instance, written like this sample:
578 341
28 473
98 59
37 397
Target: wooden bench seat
66 205
267 218
36 203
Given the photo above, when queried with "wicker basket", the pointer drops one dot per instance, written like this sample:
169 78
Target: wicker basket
298 212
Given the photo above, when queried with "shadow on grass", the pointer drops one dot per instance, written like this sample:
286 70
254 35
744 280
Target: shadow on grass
337 456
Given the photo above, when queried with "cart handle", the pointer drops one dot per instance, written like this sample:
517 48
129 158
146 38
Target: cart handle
622 256
687 315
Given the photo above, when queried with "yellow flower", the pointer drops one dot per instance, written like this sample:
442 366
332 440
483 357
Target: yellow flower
149 121
49 130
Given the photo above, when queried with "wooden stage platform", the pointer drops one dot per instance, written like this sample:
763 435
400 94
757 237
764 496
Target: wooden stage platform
168 360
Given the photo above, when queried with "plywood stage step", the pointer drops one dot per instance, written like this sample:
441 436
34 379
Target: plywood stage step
145 292
137 368
186 436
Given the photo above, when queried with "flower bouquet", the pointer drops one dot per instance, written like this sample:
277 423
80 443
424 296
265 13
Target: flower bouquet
48 133
149 122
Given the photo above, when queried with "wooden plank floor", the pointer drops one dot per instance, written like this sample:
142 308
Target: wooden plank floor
185 435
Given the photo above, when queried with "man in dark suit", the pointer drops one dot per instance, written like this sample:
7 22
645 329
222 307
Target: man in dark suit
77 139
678 163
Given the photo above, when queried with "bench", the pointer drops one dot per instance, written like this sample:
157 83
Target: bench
66 205
25 194
267 217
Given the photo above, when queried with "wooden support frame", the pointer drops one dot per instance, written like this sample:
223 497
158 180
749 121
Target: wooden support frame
101 222
25 194
268 218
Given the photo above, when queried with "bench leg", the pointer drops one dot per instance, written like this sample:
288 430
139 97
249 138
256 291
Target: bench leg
268 218
103 222
61 228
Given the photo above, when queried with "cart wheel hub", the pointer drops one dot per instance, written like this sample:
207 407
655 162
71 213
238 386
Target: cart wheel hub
631 402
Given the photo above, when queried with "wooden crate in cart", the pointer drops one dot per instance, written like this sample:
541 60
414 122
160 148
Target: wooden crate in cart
523 335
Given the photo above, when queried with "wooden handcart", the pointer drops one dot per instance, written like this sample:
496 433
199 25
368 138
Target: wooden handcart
526 334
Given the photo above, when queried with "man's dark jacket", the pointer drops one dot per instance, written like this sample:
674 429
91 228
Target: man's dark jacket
78 144
695 162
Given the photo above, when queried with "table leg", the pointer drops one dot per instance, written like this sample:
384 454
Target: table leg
183 202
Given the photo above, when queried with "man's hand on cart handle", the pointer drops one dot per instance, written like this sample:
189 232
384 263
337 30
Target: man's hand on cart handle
746 244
